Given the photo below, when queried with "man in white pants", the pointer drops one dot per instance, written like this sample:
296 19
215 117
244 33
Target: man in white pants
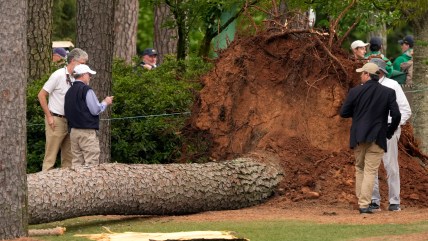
390 158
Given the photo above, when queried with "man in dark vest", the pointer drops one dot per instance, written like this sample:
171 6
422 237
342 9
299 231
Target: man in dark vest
82 110
369 104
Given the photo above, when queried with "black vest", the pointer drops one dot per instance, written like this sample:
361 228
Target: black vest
76 109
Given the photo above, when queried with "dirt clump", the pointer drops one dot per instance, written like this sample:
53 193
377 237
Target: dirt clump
282 94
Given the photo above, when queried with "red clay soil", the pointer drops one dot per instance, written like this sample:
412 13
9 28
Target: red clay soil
282 94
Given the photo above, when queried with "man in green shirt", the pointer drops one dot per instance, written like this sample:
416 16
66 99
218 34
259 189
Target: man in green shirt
375 52
407 52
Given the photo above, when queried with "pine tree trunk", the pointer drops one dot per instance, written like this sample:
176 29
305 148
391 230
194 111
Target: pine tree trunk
165 38
420 99
95 35
39 38
13 135
125 29
119 189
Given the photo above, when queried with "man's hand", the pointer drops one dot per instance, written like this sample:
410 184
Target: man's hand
51 122
148 66
108 100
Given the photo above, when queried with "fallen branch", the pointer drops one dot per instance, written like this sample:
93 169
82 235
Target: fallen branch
47 232
194 235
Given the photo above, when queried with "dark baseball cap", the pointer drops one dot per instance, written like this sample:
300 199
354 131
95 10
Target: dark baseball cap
60 51
149 51
408 40
375 41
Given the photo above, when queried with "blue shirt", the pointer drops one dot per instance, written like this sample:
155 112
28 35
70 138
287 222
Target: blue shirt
94 106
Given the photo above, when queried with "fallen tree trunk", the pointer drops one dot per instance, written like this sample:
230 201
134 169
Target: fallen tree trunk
120 189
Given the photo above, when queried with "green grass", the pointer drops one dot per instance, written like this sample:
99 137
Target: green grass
253 230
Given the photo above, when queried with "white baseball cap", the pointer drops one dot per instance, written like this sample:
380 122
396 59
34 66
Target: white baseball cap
82 69
358 43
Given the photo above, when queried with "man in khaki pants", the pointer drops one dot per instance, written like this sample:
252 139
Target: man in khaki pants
57 137
82 110
369 104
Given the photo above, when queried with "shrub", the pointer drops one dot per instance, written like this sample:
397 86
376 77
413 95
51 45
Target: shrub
150 109
35 127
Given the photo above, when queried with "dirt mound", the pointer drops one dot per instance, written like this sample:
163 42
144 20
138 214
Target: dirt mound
282 94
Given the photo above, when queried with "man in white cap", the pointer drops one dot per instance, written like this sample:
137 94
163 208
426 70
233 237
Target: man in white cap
82 110
358 48
390 158
368 105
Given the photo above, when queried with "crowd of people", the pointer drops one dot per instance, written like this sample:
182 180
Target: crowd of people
378 107
400 70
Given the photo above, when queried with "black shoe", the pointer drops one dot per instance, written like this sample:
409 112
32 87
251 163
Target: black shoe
394 207
366 210
374 206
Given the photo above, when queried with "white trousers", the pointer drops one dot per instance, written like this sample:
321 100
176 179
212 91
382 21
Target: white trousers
390 162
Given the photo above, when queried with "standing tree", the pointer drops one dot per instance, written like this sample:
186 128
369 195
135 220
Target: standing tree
13 84
419 105
39 38
95 21
165 35
181 12
125 29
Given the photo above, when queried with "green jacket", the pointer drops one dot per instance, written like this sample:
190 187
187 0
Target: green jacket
404 57
378 54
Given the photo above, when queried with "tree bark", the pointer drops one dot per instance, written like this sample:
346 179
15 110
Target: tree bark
420 70
95 35
119 189
39 38
165 37
181 21
13 135
125 29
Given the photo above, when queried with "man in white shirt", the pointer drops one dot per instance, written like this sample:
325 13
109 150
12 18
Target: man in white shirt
56 128
390 158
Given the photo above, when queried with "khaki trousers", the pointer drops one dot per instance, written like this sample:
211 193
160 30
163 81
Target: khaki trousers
390 162
85 147
367 160
56 140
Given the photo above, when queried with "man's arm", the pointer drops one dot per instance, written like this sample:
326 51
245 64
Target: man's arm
403 105
347 109
94 106
42 96
394 111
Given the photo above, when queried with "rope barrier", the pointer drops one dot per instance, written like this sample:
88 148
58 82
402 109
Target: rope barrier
413 90
132 117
